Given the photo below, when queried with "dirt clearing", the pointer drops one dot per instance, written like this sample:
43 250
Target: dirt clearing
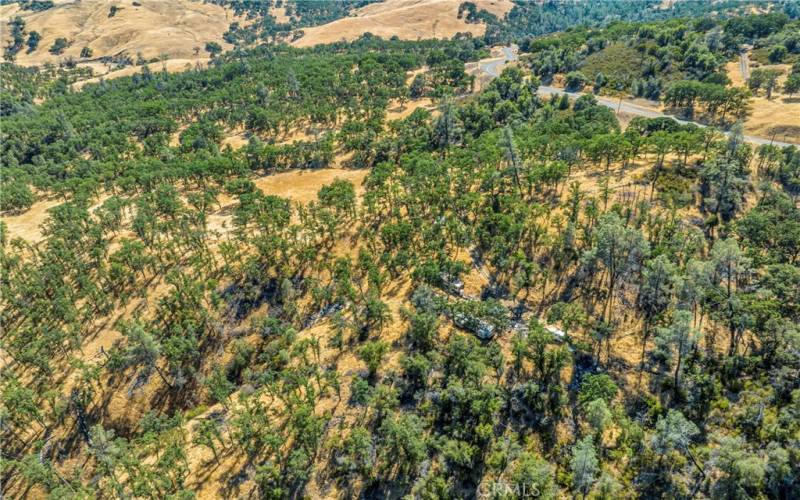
302 185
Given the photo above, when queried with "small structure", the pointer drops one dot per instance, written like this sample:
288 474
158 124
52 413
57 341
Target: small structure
481 328
558 333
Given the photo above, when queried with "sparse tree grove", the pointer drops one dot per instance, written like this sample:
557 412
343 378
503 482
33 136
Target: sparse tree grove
522 298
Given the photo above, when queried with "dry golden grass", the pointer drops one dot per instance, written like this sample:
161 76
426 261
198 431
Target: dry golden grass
207 478
625 119
169 65
235 140
154 29
302 185
395 111
406 19
279 13
28 225
778 117
174 30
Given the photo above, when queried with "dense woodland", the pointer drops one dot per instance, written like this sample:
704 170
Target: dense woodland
523 298
528 19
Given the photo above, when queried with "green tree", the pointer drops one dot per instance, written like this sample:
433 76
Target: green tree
58 46
213 48
599 82
597 386
207 433
142 349
740 474
372 353
17 29
676 341
792 84
568 314
575 81
661 143
355 452
723 186
20 404
659 281
219 386
598 416
512 155
422 331
533 474
674 434
33 41
16 196
765 78
608 487
777 54
447 131
584 466
403 442
620 249
731 266
418 85
110 452
340 195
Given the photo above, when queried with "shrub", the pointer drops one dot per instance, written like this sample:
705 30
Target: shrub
59 45
575 81
776 54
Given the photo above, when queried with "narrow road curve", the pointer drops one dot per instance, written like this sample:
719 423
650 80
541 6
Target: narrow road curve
493 67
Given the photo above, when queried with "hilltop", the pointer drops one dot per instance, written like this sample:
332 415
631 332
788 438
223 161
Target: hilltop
407 20
104 34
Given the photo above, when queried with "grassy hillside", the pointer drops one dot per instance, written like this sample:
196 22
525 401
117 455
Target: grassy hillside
406 19
250 280
93 29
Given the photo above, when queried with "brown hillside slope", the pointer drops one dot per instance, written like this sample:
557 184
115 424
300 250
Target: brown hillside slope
407 19
172 29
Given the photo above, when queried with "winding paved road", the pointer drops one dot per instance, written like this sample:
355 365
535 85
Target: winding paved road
493 68
635 109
